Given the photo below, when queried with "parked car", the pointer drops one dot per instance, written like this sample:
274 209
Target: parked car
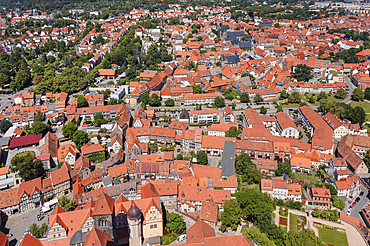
362 193
181 237
357 199
349 211
9 235
354 203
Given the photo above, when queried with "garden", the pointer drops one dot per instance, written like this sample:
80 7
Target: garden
332 235
297 222
283 221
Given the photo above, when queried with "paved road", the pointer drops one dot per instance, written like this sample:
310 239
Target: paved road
351 87
12 153
7 100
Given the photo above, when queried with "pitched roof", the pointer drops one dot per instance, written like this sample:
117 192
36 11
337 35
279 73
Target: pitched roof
98 237
60 175
8 198
209 211
91 148
104 205
29 240
25 140
199 231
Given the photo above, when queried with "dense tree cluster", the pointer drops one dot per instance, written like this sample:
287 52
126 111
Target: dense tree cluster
246 169
27 166
256 207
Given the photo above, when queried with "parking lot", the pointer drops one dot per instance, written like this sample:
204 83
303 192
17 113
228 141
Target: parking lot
364 200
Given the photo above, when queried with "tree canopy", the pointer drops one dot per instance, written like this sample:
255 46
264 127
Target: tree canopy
219 102
27 166
302 72
202 158
358 94
66 203
248 171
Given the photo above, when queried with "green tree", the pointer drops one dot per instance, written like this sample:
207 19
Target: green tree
302 73
258 98
27 166
358 115
169 102
334 216
339 203
22 79
325 214
231 216
248 171
284 168
80 138
4 79
38 232
358 94
81 101
332 189
244 97
98 118
279 108
316 212
367 93
232 132
39 116
202 158
145 99
256 206
263 110
255 235
283 95
66 203
179 157
197 89
175 222
311 99
107 93
69 129
366 158
5 125
39 127
219 102
341 93
155 100
294 98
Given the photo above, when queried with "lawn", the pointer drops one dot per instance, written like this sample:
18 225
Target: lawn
317 103
332 237
291 105
293 226
297 222
302 176
364 105
23 154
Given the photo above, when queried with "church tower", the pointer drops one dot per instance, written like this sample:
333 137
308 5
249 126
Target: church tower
134 219
223 34
161 23
180 17
103 214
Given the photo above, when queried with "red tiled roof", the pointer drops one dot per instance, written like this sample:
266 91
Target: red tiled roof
25 140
